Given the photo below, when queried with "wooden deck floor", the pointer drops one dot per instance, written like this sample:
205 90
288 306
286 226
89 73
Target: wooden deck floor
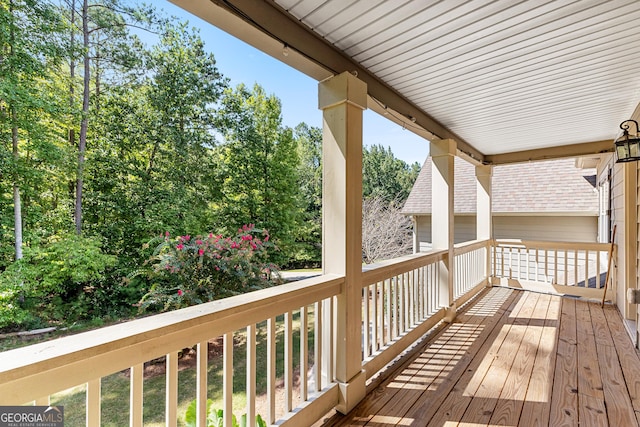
514 358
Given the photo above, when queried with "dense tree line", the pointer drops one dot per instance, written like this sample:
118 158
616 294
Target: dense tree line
109 142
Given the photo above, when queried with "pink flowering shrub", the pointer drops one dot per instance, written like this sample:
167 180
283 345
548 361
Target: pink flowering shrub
191 270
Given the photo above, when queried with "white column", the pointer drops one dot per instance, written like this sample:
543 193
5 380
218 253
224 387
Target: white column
342 99
416 240
484 221
442 230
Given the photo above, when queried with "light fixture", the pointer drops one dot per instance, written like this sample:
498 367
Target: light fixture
285 50
628 145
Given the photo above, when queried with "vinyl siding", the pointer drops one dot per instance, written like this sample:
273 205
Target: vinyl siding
550 228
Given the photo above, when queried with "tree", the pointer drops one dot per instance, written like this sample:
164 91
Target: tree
386 176
309 233
257 168
28 49
102 22
152 166
386 233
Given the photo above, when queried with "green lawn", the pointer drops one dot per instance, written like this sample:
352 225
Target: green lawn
115 388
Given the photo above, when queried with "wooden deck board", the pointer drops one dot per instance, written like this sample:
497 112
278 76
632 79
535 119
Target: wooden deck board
458 398
564 397
487 392
619 408
444 402
628 356
591 395
391 394
512 396
534 360
535 411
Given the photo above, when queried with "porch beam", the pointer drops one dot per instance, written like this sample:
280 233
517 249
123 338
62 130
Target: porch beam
443 154
267 27
558 152
342 100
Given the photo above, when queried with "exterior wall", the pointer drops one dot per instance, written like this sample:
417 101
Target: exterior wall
548 228
551 228
465 230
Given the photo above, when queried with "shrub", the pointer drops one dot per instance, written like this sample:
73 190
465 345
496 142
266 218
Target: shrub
215 417
192 270
14 312
59 277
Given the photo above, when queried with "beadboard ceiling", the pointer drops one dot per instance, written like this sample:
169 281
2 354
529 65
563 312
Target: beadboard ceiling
500 77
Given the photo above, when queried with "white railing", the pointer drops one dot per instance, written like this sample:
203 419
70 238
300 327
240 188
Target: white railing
470 265
581 266
401 300
397 296
34 373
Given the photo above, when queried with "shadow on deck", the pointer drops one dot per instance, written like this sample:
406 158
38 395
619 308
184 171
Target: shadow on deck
513 358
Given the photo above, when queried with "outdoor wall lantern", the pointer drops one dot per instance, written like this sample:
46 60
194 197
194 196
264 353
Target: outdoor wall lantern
628 145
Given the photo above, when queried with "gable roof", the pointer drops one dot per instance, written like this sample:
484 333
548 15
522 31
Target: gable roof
543 188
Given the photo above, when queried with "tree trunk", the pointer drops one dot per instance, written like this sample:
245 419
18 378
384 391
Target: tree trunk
72 71
82 145
97 73
72 90
17 204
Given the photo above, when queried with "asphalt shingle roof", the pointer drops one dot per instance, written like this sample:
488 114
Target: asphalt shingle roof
554 186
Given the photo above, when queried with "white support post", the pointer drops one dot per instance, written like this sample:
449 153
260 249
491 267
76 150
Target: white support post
342 99
443 154
416 240
484 221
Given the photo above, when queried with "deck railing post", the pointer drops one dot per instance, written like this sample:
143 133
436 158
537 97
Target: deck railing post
442 230
342 99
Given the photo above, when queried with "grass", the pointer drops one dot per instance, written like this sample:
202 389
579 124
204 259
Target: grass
115 388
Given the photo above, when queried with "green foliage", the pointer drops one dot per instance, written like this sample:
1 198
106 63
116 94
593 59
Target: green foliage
192 270
14 310
169 147
383 175
256 178
152 165
62 275
309 231
31 152
215 417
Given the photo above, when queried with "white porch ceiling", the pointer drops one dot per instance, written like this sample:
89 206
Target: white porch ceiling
502 76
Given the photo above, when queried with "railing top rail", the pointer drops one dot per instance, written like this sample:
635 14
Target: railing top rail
101 352
535 244
386 269
472 245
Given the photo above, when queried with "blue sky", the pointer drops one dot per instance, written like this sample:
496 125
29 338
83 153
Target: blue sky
242 63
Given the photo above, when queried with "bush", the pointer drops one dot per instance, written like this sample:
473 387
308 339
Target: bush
192 270
60 277
215 417
14 312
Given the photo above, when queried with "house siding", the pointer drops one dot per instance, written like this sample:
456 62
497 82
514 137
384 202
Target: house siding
550 228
